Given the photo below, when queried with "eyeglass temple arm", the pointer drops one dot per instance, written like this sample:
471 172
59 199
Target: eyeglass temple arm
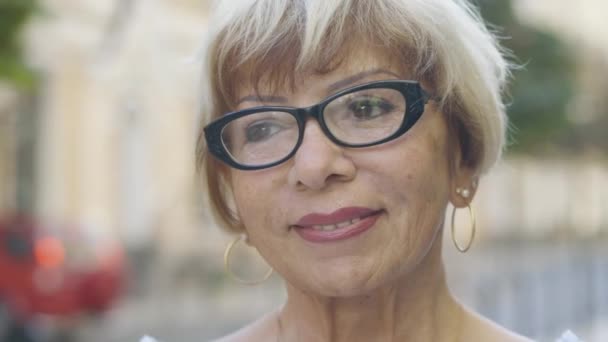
426 97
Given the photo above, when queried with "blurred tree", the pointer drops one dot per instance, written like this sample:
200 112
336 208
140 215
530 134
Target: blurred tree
13 16
542 88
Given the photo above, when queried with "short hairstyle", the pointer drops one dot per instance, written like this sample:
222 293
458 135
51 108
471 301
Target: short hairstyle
443 42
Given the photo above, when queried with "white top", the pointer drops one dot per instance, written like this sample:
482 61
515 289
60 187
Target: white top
568 336
151 339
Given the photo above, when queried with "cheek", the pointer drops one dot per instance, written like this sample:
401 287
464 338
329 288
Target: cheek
245 193
416 188
255 197
427 176
414 170
429 161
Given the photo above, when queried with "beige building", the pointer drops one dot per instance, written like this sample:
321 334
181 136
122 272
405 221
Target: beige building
118 116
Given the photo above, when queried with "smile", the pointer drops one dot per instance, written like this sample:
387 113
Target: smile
339 225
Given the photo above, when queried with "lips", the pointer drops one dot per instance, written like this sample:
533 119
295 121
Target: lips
337 217
338 225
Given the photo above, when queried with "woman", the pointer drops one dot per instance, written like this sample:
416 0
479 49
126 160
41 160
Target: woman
335 135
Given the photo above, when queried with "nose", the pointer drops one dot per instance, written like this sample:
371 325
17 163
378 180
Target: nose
319 162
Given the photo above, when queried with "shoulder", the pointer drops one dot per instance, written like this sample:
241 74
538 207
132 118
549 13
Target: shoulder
262 329
479 328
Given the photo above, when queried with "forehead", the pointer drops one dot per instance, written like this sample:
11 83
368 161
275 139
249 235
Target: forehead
357 60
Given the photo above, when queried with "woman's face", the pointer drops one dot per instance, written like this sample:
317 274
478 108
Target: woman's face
343 221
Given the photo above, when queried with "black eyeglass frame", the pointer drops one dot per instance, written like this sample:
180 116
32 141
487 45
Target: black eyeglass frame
415 98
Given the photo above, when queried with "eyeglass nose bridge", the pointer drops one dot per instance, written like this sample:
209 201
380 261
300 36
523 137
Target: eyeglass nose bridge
315 112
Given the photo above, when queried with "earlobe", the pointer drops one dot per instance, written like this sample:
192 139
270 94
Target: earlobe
464 180
464 192
464 187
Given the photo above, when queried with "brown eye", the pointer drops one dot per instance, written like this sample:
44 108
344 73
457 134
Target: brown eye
260 131
369 108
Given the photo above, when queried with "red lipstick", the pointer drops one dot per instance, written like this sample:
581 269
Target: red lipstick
341 224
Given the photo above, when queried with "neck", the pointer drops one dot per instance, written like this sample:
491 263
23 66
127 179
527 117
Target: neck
415 307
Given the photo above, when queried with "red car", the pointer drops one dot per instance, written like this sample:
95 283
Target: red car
41 273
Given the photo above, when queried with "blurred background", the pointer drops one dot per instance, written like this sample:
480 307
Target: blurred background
104 233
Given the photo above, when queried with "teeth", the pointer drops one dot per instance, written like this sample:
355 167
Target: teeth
344 224
330 227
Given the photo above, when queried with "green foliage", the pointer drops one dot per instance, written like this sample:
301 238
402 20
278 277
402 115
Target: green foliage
542 88
13 16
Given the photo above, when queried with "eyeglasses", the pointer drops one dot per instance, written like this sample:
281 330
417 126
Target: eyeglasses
362 116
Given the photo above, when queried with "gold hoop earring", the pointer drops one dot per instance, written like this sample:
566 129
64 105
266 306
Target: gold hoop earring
227 253
473 228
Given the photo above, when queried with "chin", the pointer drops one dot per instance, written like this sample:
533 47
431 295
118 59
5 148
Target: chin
348 280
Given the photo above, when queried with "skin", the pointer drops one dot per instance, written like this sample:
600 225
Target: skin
387 284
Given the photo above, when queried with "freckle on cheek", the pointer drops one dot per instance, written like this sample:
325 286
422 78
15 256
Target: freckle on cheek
409 176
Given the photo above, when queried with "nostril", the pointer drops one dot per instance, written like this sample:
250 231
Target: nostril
337 178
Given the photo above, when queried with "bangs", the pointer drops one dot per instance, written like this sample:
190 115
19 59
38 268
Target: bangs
271 45
251 52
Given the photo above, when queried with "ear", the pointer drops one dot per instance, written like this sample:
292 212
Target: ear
464 181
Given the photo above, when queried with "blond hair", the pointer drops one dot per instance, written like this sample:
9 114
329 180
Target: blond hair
443 42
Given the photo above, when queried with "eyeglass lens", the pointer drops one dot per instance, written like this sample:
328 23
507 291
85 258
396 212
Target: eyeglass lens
357 118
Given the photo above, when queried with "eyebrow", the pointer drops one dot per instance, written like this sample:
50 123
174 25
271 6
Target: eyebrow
334 87
339 85
262 98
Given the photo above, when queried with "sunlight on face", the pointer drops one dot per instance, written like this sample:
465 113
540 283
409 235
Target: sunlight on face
343 221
